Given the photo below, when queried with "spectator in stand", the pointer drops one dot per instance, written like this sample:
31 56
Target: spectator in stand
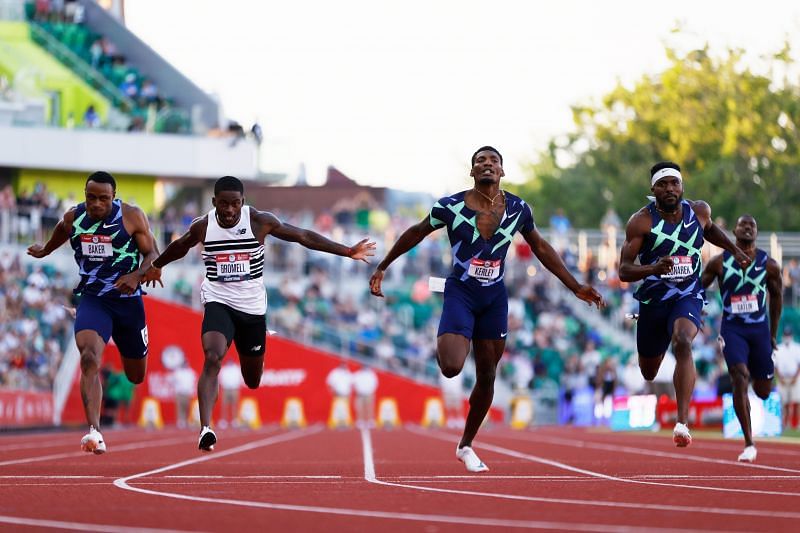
791 282
230 381
340 382
90 118
573 378
365 383
590 361
453 399
149 92
129 87
96 53
184 383
605 382
787 372
631 377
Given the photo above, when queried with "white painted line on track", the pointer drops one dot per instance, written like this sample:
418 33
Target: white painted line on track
254 477
558 464
651 453
360 513
111 449
632 505
82 526
39 441
369 475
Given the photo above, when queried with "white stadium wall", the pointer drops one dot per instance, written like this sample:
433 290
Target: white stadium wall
132 153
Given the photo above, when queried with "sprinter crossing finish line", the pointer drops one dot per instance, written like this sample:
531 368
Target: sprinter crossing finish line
232 235
481 223
666 236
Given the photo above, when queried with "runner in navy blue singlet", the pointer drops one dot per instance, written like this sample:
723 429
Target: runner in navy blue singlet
748 334
666 236
108 237
481 224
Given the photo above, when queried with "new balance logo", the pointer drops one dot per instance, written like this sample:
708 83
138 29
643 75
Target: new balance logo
685 225
106 226
241 231
256 348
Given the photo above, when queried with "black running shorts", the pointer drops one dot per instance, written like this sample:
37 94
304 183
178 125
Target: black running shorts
249 332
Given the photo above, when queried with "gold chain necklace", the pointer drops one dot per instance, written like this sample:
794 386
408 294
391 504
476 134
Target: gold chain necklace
491 199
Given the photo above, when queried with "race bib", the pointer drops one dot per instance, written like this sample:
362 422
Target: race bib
483 269
96 247
744 303
233 267
681 268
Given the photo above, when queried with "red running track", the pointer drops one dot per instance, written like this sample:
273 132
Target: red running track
408 479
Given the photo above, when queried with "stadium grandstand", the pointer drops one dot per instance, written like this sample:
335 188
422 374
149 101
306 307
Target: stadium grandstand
63 61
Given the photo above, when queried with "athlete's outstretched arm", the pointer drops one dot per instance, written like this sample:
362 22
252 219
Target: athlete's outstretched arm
60 236
177 249
639 226
714 234
775 290
269 224
552 262
712 271
146 243
409 239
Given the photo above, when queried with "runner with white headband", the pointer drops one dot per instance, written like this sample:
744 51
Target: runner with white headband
666 236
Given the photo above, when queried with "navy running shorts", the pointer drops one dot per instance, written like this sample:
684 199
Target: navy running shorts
248 332
119 318
656 322
750 344
474 312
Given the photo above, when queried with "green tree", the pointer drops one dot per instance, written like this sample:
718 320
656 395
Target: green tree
733 131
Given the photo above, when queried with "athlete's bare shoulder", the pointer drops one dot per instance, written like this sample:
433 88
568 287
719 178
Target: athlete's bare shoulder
639 221
262 222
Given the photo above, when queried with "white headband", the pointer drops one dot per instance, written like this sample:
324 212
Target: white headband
663 173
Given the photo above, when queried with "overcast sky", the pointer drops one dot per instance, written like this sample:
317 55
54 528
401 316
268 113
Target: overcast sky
400 93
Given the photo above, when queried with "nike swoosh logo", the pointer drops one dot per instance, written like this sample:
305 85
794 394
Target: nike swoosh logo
685 225
503 335
758 268
770 376
106 226
691 315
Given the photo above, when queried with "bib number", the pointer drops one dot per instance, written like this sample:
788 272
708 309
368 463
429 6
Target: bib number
96 247
682 268
484 270
745 303
233 267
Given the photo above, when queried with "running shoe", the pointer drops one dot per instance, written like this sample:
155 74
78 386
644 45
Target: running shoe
467 456
93 442
748 455
207 439
681 436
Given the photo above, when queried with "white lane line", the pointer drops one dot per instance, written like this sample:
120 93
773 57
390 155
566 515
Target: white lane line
765 445
651 453
55 440
584 478
513 453
111 449
82 526
254 477
361 513
369 475
564 466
